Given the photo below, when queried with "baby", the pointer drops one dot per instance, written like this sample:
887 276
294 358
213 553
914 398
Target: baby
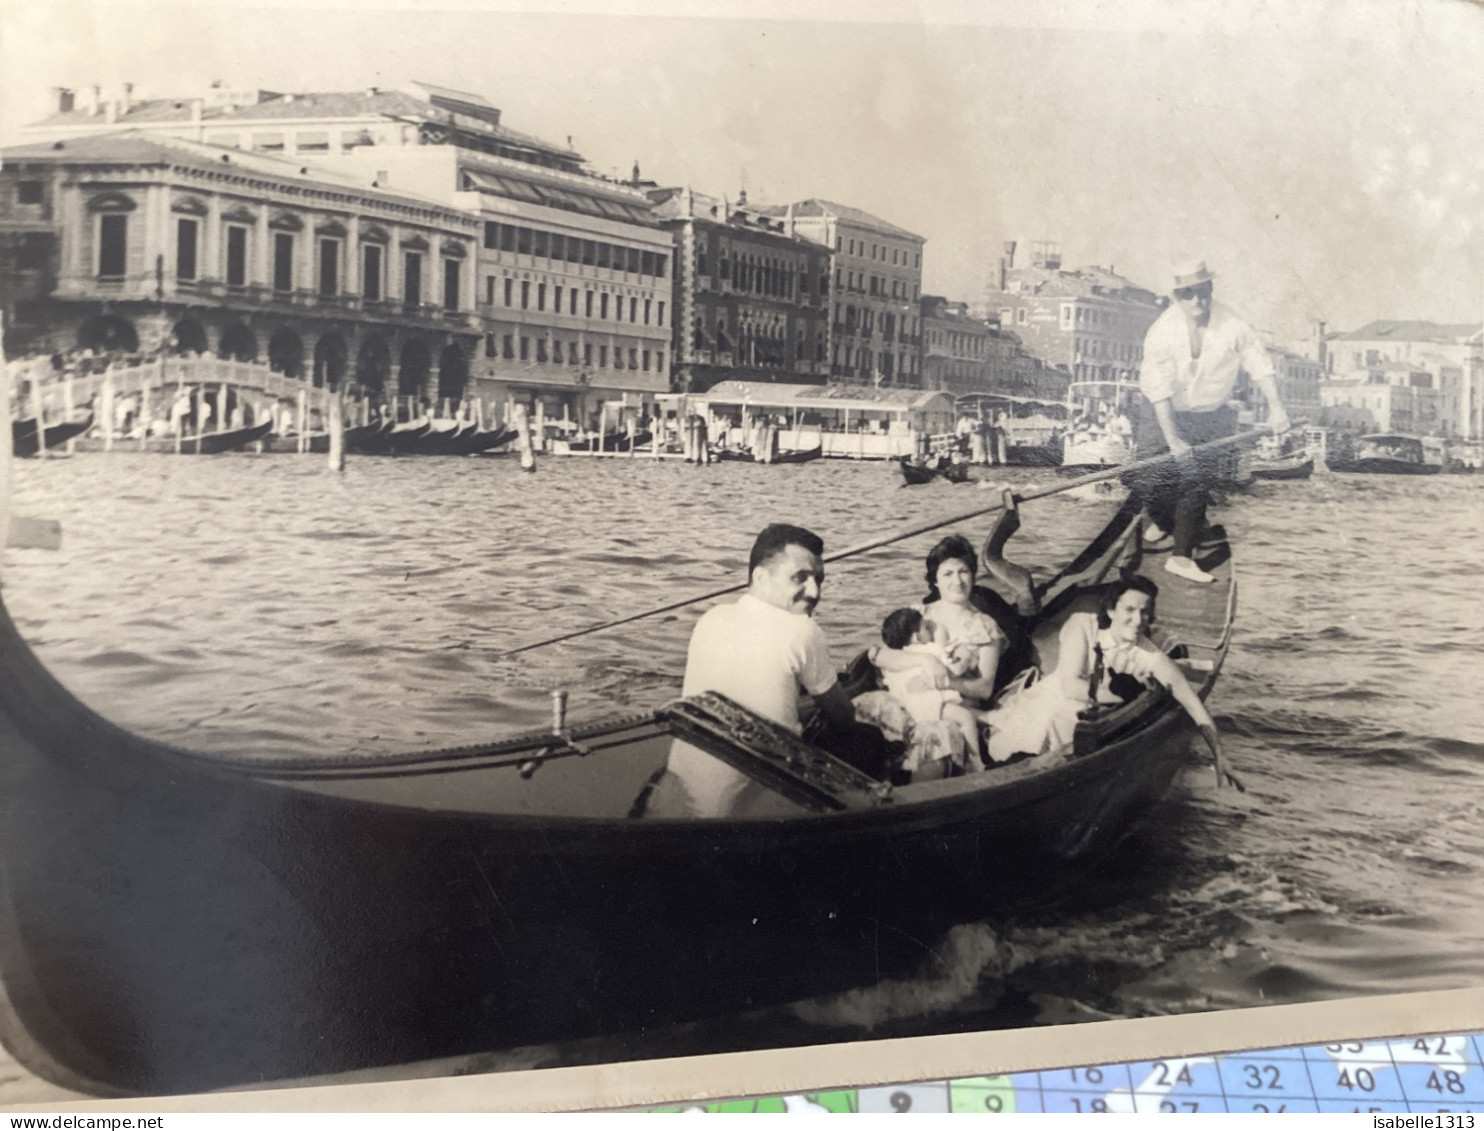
907 631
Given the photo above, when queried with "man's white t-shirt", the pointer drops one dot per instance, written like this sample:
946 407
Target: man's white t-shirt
760 656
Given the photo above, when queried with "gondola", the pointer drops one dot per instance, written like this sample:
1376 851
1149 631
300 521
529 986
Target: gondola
1033 455
611 442
1296 465
914 474
23 433
1385 454
362 437
404 438
207 443
179 922
785 455
482 440
442 438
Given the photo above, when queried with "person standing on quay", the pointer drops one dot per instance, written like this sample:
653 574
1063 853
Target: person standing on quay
1192 356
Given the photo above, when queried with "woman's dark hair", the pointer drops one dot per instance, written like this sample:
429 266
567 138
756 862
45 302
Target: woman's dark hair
1138 584
899 627
954 546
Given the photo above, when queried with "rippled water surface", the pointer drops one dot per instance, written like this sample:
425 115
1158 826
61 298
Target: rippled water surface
264 605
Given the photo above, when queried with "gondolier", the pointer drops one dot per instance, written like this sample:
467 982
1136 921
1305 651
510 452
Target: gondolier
1192 356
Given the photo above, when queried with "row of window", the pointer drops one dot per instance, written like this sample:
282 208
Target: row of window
113 255
1101 347
514 347
571 249
772 278
1074 315
869 361
861 283
304 141
594 304
878 252
863 320
766 348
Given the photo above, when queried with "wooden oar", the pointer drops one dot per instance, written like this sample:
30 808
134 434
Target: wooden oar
899 535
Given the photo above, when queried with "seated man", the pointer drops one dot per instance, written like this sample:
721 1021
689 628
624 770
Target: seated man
761 651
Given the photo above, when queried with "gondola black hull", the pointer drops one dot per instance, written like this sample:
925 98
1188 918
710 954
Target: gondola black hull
787 455
23 434
174 924
1376 465
1283 469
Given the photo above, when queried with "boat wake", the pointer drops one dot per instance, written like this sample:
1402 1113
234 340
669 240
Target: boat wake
954 972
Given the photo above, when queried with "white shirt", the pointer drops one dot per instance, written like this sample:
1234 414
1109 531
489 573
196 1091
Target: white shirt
1228 346
759 656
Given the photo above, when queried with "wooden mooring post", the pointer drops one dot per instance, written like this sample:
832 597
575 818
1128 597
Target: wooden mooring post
521 422
336 425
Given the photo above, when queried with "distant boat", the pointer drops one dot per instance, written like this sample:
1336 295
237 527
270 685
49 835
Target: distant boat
915 474
1270 461
1093 439
787 455
611 442
1386 454
23 433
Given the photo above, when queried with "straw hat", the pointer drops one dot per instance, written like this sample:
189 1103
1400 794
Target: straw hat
1190 273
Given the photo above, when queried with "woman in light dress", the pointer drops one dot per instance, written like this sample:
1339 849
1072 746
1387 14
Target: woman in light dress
1096 649
972 637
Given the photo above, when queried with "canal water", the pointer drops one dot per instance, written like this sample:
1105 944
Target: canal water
264 605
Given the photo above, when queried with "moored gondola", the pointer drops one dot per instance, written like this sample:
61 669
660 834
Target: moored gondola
23 433
182 922
786 455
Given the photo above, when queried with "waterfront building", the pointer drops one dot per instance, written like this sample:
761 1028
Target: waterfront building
751 301
1298 378
1089 321
1447 357
125 244
875 321
570 276
302 125
955 348
1391 398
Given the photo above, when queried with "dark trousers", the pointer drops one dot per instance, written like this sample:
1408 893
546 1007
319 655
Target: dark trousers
1177 492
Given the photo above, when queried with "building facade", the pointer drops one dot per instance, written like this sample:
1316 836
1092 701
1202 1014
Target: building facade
127 244
311 125
1369 402
570 275
1447 357
1089 322
751 302
875 320
956 349
1299 379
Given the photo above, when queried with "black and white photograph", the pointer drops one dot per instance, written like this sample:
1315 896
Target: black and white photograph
550 535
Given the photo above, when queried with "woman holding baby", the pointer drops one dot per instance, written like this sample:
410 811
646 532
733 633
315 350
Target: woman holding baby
958 649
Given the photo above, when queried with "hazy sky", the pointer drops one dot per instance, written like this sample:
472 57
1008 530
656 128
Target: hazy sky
1325 158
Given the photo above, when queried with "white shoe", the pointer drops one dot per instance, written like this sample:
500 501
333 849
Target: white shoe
1184 567
1152 533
